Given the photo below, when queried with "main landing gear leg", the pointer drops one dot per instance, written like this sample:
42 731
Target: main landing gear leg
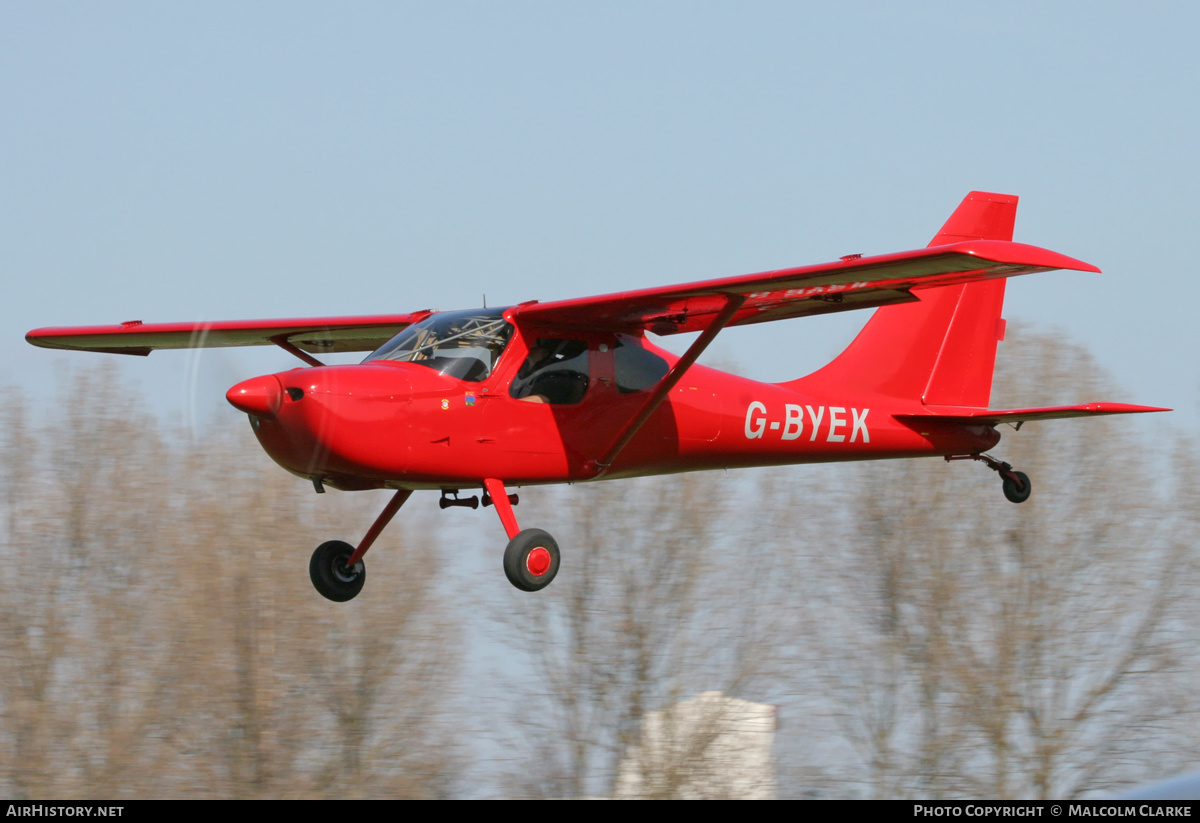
337 569
1015 484
531 557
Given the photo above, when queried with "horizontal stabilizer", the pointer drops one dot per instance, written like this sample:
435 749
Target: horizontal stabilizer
950 414
310 334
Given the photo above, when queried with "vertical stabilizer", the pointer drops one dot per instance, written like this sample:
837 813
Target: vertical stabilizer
942 350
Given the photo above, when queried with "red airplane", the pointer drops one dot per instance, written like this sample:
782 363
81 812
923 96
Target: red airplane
573 391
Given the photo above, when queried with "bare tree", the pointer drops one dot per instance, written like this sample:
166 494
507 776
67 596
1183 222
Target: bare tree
71 506
307 697
654 609
159 636
32 640
999 650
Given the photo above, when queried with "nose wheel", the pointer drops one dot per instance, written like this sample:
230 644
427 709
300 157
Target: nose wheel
334 577
336 568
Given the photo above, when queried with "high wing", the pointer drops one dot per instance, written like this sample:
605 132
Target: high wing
854 282
310 334
993 416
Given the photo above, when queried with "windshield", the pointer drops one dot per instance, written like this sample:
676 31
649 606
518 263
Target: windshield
462 344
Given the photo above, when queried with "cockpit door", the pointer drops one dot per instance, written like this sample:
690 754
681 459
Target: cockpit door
542 403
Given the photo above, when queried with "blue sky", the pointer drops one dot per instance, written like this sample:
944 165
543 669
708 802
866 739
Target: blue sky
228 160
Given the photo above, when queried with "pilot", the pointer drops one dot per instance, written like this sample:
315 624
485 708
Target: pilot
538 357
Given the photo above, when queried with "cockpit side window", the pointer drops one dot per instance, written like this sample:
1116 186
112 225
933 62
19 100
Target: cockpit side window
462 344
636 368
555 371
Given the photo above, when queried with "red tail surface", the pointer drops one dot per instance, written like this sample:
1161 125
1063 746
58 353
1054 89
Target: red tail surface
941 350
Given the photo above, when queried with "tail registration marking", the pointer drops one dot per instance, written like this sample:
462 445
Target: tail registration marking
792 424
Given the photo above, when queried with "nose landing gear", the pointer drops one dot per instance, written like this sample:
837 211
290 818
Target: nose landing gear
337 569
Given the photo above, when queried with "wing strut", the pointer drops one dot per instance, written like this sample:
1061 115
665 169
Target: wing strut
733 302
281 341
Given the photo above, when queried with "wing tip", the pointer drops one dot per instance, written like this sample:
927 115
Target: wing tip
1017 254
36 337
1120 408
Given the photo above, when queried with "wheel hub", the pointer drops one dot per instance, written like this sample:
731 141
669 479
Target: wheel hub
344 573
538 561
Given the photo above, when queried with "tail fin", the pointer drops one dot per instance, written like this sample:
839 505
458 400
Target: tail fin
941 350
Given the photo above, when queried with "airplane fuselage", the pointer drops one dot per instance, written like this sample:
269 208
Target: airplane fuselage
404 425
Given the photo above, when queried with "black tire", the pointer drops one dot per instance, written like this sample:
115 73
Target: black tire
1017 491
330 575
531 560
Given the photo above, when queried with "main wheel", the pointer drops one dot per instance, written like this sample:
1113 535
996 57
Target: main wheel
330 574
1017 491
531 560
